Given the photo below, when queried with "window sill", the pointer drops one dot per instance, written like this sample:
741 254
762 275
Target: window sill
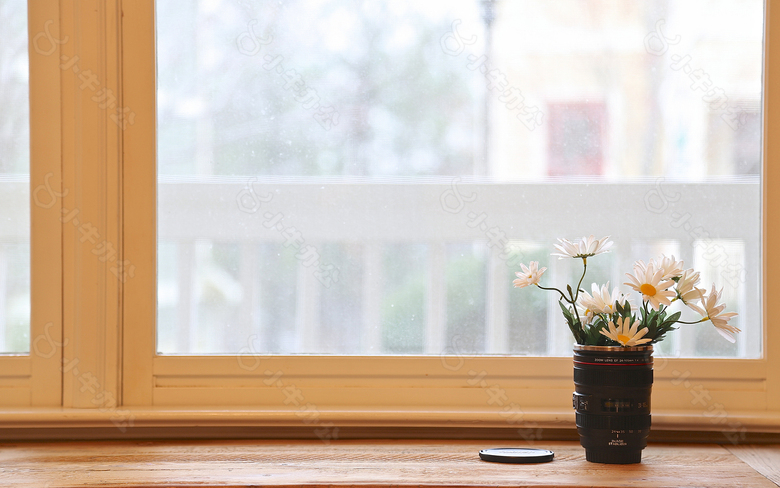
145 417
374 463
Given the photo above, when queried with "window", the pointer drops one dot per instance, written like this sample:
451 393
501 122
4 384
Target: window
14 178
366 106
30 234
577 134
429 370
737 149
444 250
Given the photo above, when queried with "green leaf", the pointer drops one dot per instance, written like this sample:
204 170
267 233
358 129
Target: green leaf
672 319
594 336
574 324
566 312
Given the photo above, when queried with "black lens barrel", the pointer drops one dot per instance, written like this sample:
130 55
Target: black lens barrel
612 400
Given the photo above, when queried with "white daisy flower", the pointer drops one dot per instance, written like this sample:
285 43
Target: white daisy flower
529 276
626 333
670 266
714 312
639 264
586 301
647 281
586 315
602 301
686 287
584 248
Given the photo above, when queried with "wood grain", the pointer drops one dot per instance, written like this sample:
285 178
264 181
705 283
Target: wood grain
355 463
764 459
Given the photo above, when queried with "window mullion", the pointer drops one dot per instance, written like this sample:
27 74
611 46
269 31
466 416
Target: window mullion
45 186
139 203
771 204
92 259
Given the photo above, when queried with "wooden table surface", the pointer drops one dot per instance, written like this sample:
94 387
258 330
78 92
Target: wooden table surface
371 463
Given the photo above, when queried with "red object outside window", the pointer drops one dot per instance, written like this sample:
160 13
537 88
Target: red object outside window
576 138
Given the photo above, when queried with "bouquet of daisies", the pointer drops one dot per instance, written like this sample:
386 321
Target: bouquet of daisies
606 317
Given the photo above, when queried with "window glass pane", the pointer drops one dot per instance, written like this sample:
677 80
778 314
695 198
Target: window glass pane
403 296
365 178
466 280
14 180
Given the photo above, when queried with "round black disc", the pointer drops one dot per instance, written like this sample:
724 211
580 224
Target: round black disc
516 455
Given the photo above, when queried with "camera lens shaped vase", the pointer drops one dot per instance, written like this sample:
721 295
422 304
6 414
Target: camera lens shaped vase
612 387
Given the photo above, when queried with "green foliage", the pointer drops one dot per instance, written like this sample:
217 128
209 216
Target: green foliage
574 324
588 334
595 337
622 310
657 323
403 301
465 304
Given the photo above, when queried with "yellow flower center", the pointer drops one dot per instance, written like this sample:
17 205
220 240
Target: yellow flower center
648 289
623 339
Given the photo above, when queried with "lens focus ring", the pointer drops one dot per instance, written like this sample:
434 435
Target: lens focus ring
609 422
615 377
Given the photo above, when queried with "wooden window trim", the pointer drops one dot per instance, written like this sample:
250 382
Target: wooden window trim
748 386
109 326
34 379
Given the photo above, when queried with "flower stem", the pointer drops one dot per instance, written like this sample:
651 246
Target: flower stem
703 319
584 269
553 289
577 293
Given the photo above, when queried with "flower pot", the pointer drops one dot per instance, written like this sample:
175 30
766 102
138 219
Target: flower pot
612 400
